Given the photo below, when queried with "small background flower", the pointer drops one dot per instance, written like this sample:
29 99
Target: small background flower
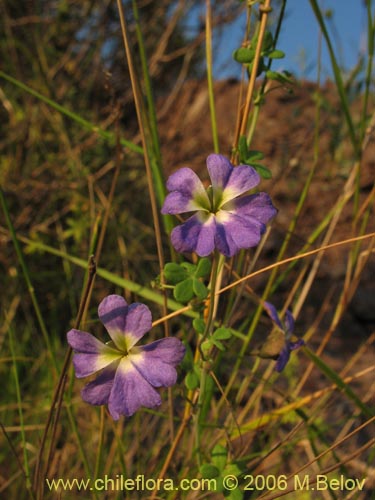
287 327
226 218
129 373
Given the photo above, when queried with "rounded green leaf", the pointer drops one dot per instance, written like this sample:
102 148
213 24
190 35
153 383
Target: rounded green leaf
276 54
192 381
199 325
222 333
209 471
263 171
203 268
183 291
174 273
199 289
244 55
219 456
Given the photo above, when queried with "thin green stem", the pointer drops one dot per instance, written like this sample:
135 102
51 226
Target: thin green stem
338 78
29 284
205 364
369 67
109 136
20 414
41 473
210 84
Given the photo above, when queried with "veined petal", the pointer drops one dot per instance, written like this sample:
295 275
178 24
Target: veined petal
219 169
130 391
273 314
112 312
179 203
235 233
158 361
242 179
125 324
90 354
137 323
224 241
188 184
259 206
97 392
197 234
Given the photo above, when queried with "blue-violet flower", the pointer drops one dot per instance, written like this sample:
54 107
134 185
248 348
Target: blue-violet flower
129 373
226 218
286 326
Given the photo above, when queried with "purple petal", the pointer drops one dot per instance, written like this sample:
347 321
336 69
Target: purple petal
90 355
125 324
97 392
235 233
259 206
195 235
271 310
219 169
288 322
160 358
112 312
283 359
190 189
242 179
84 342
130 391
179 203
285 354
224 241
295 345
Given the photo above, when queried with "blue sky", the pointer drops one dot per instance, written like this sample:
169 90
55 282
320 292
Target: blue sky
299 39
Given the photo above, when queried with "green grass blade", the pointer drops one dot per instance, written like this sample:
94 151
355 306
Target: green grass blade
27 278
338 77
108 136
337 380
132 286
19 403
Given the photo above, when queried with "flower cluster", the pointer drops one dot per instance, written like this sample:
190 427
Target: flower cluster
129 373
226 218
287 327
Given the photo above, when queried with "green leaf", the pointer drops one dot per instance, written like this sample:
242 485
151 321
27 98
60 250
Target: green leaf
203 268
280 77
199 289
219 345
222 333
190 268
209 471
336 379
276 54
174 273
183 291
219 456
236 494
267 42
192 381
242 148
244 55
263 171
199 325
254 155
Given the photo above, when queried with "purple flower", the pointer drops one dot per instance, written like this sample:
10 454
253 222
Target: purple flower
287 326
226 218
128 373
